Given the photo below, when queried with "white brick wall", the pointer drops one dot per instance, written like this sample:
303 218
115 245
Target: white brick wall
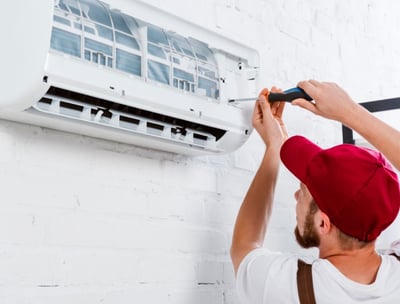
89 221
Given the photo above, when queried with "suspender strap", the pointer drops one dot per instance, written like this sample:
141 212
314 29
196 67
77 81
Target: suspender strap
305 287
396 256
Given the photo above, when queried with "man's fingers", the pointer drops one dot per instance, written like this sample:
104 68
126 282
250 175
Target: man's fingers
276 90
311 87
305 104
307 86
280 108
314 82
277 108
263 93
258 111
263 104
262 99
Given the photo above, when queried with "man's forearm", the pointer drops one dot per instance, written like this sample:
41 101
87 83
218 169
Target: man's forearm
253 217
385 138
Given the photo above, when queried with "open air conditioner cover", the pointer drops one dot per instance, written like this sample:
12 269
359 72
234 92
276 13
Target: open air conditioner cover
125 71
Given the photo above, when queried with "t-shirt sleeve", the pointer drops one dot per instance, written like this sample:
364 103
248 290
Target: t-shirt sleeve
265 276
394 248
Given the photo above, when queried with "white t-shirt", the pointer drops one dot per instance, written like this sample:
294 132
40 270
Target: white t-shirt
270 277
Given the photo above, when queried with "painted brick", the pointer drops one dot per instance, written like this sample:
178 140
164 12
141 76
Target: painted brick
209 272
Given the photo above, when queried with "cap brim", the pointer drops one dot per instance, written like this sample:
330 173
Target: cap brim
296 154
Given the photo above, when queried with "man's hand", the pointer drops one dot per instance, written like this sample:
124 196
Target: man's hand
267 120
331 101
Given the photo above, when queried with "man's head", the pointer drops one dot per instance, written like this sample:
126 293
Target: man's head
355 187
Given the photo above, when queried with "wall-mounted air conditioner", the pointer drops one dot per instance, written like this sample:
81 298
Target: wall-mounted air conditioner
126 71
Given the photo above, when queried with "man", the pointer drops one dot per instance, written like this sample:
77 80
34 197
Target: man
347 197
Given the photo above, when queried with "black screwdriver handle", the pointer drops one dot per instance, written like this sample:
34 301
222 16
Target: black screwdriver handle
289 95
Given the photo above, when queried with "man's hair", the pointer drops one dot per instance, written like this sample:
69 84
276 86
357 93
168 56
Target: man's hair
310 237
313 207
346 241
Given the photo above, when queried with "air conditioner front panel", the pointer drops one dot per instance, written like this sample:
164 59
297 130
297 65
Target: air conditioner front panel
107 133
123 88
126 71
61 108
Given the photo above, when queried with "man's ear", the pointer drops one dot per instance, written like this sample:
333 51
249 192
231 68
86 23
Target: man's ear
323 222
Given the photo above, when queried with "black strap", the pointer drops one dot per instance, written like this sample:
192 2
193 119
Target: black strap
305 286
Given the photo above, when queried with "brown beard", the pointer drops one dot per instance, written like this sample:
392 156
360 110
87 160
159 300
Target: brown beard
310 238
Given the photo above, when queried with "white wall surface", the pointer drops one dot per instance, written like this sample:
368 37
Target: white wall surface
88 221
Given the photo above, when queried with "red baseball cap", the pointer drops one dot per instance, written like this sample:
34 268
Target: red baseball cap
356 187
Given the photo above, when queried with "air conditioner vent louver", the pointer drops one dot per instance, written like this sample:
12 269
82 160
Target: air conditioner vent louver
92 110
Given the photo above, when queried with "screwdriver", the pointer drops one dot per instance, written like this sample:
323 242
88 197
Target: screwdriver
287 95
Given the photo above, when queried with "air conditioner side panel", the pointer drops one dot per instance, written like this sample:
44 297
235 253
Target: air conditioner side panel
26 29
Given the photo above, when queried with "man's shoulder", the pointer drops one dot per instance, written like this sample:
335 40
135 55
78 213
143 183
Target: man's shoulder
265 272
267 256
264 265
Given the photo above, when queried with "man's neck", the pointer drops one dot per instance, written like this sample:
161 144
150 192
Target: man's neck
359 265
